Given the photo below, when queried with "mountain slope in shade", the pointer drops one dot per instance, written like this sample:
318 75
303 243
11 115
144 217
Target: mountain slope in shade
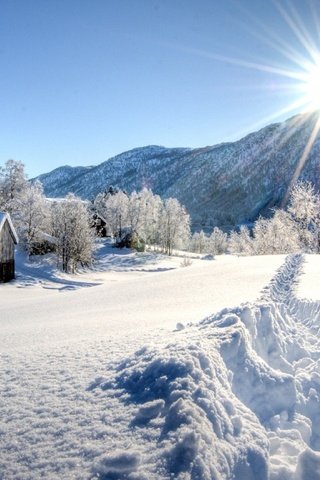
225 184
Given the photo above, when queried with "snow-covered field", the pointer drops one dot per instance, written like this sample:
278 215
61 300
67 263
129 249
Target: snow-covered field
143 369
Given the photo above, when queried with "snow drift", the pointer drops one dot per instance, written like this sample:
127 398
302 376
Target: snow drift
234 397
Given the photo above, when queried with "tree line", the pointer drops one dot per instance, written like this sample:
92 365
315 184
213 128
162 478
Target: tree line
293 229
65 226
158 222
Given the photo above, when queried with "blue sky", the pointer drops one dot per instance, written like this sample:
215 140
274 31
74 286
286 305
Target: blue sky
83 80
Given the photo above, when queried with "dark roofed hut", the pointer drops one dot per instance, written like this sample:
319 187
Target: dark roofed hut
99 224
8 239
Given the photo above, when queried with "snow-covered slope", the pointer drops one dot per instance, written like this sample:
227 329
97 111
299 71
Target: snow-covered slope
97 383
225 184
63 176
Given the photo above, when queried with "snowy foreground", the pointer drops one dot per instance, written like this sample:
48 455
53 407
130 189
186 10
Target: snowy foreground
136 370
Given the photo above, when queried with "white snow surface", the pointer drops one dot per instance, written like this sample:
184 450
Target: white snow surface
141 369
309 286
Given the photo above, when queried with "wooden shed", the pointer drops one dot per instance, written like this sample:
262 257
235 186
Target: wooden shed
8 239
99 224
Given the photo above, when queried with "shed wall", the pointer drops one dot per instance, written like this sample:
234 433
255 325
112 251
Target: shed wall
6 254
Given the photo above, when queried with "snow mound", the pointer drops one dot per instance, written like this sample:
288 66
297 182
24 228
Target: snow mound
235 397
182 391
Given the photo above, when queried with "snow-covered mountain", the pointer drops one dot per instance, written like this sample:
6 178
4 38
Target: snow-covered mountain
225 184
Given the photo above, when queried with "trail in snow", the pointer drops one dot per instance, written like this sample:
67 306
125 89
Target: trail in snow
235 397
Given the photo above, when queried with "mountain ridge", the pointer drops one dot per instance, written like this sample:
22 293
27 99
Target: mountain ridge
224 184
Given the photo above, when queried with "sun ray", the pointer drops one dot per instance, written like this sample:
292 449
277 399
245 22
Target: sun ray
269 118
316 17
236 61
303 79
312 44
296 30
302 159
308 39
269 37
295 123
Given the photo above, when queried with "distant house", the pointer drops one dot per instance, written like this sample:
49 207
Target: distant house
99 224
8 239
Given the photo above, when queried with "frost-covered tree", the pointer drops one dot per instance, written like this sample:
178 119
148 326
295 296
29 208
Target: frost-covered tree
174 226
113 205
136 211
71 228
199 242
149 215
240 243
13 183
217 242
155 222
275 235
32 215
288 231
304 208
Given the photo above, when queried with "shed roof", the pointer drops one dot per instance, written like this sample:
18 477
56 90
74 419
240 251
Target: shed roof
4 216
98 214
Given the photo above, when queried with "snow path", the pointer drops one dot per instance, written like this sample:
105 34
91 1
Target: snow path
235 397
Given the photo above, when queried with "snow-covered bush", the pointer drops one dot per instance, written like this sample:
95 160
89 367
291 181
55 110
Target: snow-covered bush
186 262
